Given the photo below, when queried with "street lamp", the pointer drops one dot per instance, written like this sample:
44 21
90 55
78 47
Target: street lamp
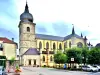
72 60
40 55
83 60
47 51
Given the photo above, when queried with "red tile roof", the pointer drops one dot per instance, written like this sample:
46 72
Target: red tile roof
6 40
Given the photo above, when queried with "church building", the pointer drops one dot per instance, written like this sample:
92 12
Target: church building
39 49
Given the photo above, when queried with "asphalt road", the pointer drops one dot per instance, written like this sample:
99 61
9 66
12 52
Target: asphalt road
51 71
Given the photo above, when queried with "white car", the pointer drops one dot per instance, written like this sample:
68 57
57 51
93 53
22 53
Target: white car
2 71
96 66
89 68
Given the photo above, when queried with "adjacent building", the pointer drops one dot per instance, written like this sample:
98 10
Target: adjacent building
8 48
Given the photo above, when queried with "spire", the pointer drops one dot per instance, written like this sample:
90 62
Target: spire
26 8
89 44
73 32
85 38
81 35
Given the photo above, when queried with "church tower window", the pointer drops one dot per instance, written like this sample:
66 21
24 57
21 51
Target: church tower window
28 29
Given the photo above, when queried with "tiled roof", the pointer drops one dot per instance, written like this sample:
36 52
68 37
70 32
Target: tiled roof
31 51
6 40
56 38
49 37
71 35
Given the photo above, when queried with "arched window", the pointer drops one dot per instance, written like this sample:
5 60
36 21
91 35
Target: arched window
47 45
51 58
43 58
28 29
79 44
69 44
40 45
65 45
54 46
60 47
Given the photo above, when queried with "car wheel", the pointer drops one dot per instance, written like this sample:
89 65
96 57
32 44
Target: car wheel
91 70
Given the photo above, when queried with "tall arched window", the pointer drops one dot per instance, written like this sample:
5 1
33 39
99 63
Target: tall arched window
54 46
43 58
79 44
47 45
60 47
28 29
65 45
40 45
51 58
69 44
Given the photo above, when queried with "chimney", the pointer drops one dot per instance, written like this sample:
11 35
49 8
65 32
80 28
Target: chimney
12 39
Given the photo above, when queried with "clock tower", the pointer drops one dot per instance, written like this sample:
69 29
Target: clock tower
26 31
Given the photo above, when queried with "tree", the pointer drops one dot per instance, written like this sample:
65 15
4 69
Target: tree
60 58
12 61
85 54
94 56
74 53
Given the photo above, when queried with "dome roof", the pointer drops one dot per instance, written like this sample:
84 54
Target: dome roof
26 15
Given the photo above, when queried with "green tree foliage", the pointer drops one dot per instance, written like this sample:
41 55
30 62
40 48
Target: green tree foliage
74 53
60 58
94 56
12 60
85 54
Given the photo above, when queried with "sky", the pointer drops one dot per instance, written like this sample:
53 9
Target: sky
53 17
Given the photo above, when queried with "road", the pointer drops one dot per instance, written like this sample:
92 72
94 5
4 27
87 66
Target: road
51 71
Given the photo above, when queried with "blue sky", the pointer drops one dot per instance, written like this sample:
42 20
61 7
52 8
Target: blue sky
53 17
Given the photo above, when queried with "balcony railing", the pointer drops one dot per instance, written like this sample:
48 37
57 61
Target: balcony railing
45 52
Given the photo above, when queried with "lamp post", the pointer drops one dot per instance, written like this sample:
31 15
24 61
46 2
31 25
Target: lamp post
40 55
47 51
83 60
72 60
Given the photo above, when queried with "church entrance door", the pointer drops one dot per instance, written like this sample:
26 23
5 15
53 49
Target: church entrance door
35 62
29 61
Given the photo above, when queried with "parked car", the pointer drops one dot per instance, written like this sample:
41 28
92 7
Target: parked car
89 68
2 70
97 66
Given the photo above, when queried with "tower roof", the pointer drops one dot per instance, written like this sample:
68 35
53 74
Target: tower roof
73 31
26 16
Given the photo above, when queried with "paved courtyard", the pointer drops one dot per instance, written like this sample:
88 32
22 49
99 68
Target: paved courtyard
51 71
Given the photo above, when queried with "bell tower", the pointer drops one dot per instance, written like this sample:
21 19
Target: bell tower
26 31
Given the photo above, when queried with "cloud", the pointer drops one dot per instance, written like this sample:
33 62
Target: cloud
54 16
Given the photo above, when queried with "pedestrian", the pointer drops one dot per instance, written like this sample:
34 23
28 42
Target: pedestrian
64 66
